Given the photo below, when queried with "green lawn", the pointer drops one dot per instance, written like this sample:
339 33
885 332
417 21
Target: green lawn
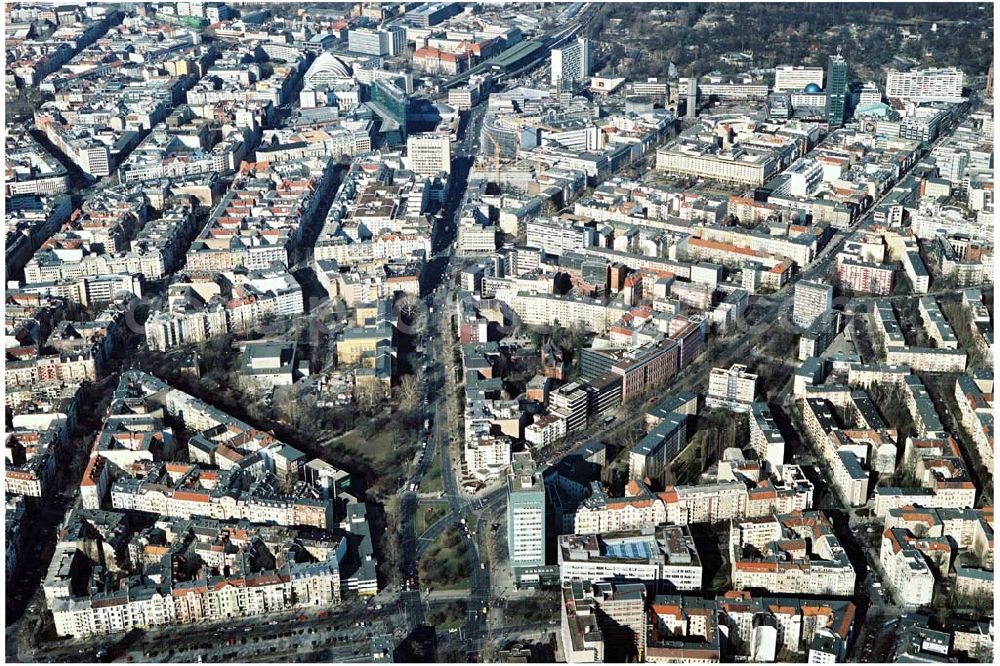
432 483
378 450
427 516
449 587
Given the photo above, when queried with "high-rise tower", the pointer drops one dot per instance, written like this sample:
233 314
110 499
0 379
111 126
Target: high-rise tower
692 98
836 90
525 515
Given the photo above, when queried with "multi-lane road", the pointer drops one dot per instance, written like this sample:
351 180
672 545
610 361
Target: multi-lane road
439 294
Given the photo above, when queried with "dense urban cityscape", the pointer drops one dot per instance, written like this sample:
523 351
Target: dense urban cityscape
499 332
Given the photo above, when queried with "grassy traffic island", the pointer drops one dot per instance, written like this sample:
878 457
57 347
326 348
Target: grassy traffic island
427 516
450 615
432 482
445 565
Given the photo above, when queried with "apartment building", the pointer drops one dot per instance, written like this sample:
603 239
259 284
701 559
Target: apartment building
545 430
80 145
201 495
939 468
598 513
224 517
796 244
765 437
704 503
811 300
732 389
538 309
30 168
683 629
976 410
216 598
907 573
915 268
815 340
29 222
865 276
31 477
850 476
79 367
796 622
165 330
488 456
928 359
557 237
653 455
795 553
935 324
617 609
967 529
885 322
239 234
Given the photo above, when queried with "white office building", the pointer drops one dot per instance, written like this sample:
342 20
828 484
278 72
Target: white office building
663 558
572 62
933 84
557 236
788 78
526 515
428 154
390 41
869 94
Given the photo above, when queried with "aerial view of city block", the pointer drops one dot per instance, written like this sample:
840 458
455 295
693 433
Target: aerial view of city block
499 332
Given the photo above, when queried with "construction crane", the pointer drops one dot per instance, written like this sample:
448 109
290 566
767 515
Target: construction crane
496 155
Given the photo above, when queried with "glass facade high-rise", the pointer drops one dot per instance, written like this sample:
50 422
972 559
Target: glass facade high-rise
391 104
836 90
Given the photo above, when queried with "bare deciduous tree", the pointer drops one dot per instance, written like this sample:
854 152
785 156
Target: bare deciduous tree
368 395
390 541
409 393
